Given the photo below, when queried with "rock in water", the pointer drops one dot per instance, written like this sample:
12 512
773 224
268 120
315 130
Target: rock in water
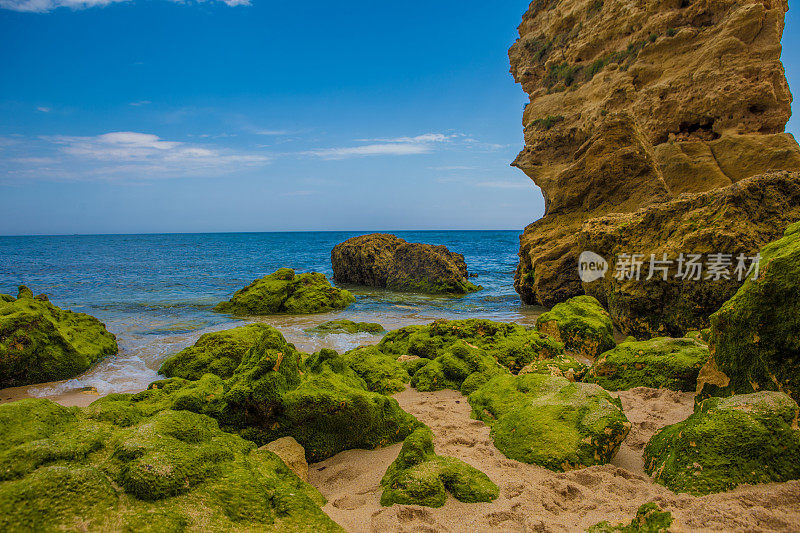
755 336
283 292
216 353
291 453
551 422
649 110
660 363
387 261
581 324
40 342
420 477
64 469
345 326
748 438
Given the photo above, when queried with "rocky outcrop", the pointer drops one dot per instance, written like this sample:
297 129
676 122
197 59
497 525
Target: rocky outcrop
65 469
40 342
635 104
345 326
551 422
754 337
748 438
284 292
581 324
387 261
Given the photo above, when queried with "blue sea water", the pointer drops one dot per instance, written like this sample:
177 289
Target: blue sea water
156 292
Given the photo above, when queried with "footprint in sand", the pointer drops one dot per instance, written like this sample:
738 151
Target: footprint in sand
349 503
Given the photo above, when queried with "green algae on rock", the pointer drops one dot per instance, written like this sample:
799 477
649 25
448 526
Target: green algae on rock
420 477
381 373
561 365
581 324
40 342
511 345
321 402
345 326
216 353
284 292
747 438
649 519
551 422
660 363
754 336
460 367
173 471
384 260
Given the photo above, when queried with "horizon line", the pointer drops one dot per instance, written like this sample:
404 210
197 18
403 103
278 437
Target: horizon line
365 232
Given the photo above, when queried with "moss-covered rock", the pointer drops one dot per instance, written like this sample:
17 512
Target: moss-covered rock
747 438
174 471
284 292
581 324
461 363
511 345
321 402
550 421
345 326
754 337
215 353
562 365
381 372
660 363
383 260
420 477
40 342
649 519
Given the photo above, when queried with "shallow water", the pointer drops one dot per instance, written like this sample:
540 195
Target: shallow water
155 292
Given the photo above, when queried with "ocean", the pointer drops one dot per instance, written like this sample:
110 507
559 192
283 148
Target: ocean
156 292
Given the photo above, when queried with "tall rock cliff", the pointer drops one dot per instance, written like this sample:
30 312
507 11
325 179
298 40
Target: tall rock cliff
635 104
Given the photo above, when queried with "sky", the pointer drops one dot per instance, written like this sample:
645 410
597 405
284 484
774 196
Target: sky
147 116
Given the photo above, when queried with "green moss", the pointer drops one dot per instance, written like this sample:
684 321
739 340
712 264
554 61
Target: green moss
649 519
561 365
323 403
550 421
458 363
547 122
420 477
345 326
753 337
660 363
381 372
40 342
511 345
283 292
215 353
748 438
172 471
581 324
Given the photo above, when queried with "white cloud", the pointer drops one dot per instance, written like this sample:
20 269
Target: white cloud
138 103
420 144
41 109
125 154
43 6
271 132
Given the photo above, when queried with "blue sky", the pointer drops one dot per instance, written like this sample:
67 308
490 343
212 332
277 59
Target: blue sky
158 116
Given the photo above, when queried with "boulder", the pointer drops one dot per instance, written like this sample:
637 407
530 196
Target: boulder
291 453
275 392
345 326
511 345
659 363
460 367
420 477
386 261
754 337
172 471
284 292
217 353
747 438
381 373
40 342
648 112
581 324
551 422
562 365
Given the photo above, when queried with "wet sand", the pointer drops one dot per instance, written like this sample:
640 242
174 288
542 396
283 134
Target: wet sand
536 499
